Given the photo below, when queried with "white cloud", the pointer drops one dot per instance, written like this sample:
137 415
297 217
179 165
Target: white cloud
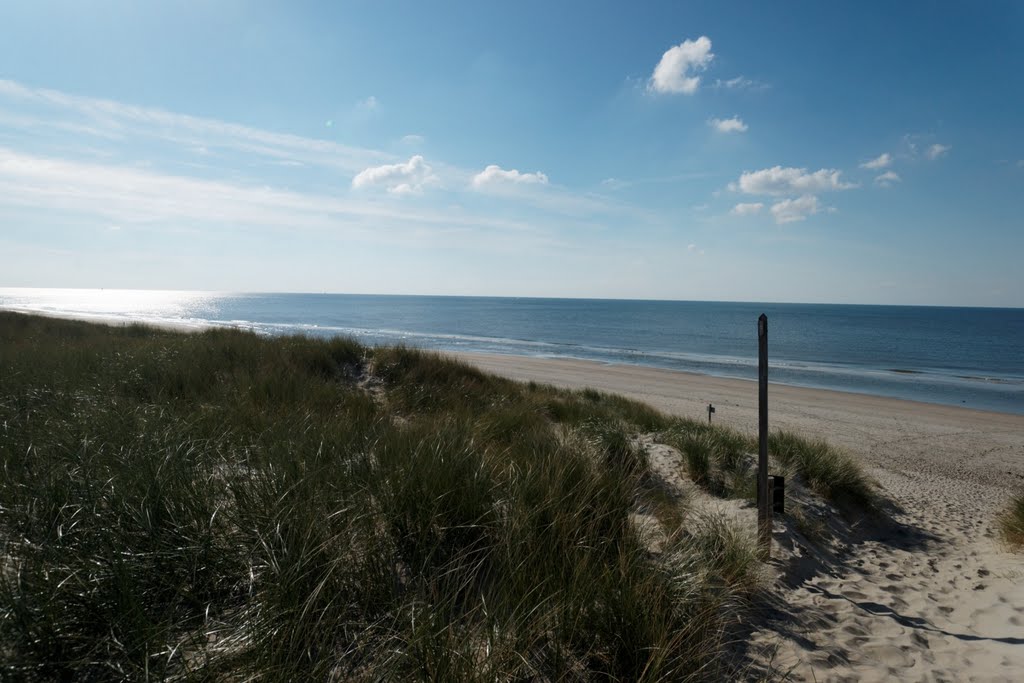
124 129
410 177
128 196
495 175
369 104
792 210
412 139
937 150
747 209
694 249
674 72
883 160
888 178
734 83
614 184
733 125
109 119
779 181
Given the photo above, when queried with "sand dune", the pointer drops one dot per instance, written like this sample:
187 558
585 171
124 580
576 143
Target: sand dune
934 598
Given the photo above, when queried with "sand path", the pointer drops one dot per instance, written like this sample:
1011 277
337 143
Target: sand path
939 600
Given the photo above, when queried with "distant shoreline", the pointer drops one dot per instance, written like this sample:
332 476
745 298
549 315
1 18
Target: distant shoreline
199 326
666 388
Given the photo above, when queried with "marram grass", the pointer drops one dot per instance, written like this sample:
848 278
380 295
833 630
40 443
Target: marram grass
1011 522
723 461
223 506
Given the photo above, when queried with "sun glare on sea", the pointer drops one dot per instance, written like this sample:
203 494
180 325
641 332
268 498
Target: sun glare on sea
100 303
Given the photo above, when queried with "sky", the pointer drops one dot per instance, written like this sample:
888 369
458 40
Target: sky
842 152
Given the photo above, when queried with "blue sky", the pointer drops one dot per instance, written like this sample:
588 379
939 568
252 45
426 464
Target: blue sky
836 152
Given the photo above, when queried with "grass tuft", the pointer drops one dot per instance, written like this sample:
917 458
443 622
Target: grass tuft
1011 522
723 461
717 458
826 470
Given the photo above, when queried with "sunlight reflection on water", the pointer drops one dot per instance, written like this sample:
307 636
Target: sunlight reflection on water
114 304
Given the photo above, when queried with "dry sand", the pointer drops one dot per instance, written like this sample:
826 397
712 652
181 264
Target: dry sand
940 599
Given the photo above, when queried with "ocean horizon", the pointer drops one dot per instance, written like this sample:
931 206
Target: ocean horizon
961 356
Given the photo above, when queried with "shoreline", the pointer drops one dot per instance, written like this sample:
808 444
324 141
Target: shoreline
970 446
520 367
528 360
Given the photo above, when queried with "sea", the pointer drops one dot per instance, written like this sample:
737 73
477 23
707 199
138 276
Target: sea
970 357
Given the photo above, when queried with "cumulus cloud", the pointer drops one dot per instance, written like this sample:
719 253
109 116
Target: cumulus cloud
674 73
494 176
937 150
887 179
410 177
780 181
733 125
747 209
792 210
881 161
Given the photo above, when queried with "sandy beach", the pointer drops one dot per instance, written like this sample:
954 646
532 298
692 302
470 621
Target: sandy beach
942 600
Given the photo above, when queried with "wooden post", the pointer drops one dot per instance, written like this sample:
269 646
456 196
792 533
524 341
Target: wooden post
764 520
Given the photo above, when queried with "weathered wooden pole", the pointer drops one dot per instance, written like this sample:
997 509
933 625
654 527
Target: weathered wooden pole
764 519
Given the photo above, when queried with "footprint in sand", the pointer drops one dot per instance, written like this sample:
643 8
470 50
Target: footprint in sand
856 630
890 655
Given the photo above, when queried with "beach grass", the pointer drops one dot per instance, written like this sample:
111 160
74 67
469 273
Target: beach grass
221 505
828 471
723 462
1011 522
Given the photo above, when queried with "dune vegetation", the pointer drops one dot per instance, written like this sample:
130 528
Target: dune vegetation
1011 522
723 462
221 505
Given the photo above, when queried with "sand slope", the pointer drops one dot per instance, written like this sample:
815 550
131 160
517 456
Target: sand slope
935 599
